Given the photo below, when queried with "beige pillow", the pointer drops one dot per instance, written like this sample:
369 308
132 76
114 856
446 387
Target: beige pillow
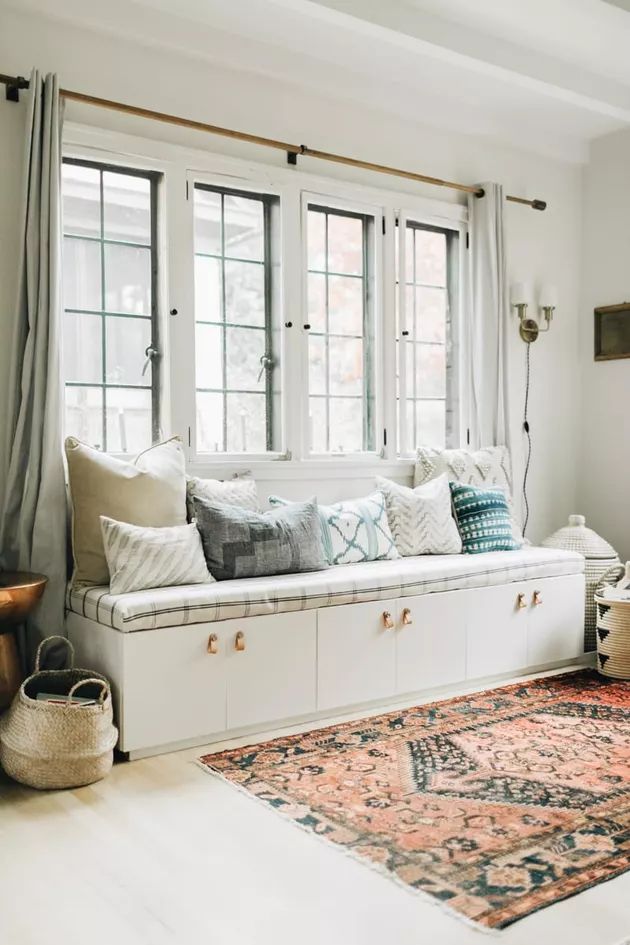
149 491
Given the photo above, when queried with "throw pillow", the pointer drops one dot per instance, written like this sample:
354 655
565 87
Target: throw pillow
487 467
483 519
239 543
421 519
354 530
149 491
240 491
140 558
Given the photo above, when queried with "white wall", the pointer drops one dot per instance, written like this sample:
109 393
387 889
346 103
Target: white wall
605 385
542 246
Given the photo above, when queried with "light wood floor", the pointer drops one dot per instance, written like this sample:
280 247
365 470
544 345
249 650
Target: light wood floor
161 853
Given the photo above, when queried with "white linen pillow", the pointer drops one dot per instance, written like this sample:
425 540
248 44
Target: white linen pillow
240 491
140 558
421 519
150 491
488 467
354 530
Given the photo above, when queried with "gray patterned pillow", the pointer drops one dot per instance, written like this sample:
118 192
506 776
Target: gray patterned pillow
240 543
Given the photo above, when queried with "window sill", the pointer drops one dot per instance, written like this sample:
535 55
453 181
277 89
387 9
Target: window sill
329 468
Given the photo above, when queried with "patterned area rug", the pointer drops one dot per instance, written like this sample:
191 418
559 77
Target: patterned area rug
497 804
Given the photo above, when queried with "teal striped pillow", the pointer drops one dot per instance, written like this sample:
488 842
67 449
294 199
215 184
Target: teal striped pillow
483 519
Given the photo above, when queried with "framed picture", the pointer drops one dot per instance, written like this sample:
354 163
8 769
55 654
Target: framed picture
612 332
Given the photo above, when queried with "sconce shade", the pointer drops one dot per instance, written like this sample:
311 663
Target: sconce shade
519 293
548 296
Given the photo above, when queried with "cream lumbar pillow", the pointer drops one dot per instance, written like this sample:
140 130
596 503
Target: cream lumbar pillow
241 491
421 519
149 491
140 558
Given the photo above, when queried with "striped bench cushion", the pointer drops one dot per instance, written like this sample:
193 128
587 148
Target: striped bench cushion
344 584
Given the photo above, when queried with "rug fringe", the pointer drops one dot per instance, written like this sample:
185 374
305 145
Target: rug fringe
370 864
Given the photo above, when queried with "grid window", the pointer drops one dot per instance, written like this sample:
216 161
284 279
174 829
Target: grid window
110 340
237 376
425 363
341 331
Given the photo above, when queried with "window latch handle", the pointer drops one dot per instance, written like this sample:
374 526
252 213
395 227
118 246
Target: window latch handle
151 354
266 363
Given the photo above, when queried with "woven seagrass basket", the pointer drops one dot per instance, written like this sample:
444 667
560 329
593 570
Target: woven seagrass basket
613 628
59 744
599 557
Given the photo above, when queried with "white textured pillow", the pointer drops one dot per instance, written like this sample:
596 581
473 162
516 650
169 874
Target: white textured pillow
240 491
421 519
488 467
140 558
354 530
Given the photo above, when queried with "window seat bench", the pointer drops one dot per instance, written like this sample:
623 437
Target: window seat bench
203 663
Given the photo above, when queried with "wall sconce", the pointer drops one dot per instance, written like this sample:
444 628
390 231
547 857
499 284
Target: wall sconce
529 328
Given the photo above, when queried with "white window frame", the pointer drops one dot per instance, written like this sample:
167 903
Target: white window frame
180 167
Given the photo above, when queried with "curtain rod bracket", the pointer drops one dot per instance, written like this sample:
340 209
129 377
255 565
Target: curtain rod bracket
292 156
12 89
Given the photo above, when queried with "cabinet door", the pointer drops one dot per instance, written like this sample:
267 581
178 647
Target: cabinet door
356 654
555 619
270 668
174 689
496 638
431 640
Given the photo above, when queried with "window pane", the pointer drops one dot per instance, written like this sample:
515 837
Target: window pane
246 423
345 305
245 293
430 258
209 356
127 279
431 370
127 208
317 364
430 423
84 415
209 422
207 289
244 228
82 349
81 200
345 244
126 340
82 274
316 240
128 416
317 424
207 222
317 301
244 349
346 425
431 315
346 366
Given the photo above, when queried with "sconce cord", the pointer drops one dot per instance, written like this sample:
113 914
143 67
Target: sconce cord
529 439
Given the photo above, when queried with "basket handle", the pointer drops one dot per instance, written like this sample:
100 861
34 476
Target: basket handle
105 690
60 639
611 576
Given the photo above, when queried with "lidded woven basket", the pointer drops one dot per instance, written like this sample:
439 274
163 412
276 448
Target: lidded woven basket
599 557
59 743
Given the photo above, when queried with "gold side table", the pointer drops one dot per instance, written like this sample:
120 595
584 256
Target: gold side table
19 593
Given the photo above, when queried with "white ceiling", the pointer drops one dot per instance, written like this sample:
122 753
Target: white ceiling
546 75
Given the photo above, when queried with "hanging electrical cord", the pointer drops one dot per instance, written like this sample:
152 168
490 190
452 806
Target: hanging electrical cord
529 438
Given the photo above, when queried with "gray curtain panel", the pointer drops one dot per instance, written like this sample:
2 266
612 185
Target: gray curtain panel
33 519
487 342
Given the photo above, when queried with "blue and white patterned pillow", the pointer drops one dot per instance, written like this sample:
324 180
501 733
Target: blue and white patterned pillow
483 519
354 530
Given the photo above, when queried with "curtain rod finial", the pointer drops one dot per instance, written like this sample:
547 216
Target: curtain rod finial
539 204
480 193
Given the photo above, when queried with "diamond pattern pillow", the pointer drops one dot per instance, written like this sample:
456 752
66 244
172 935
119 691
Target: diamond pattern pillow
483 519
421 519
354 530
240 491
486 467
